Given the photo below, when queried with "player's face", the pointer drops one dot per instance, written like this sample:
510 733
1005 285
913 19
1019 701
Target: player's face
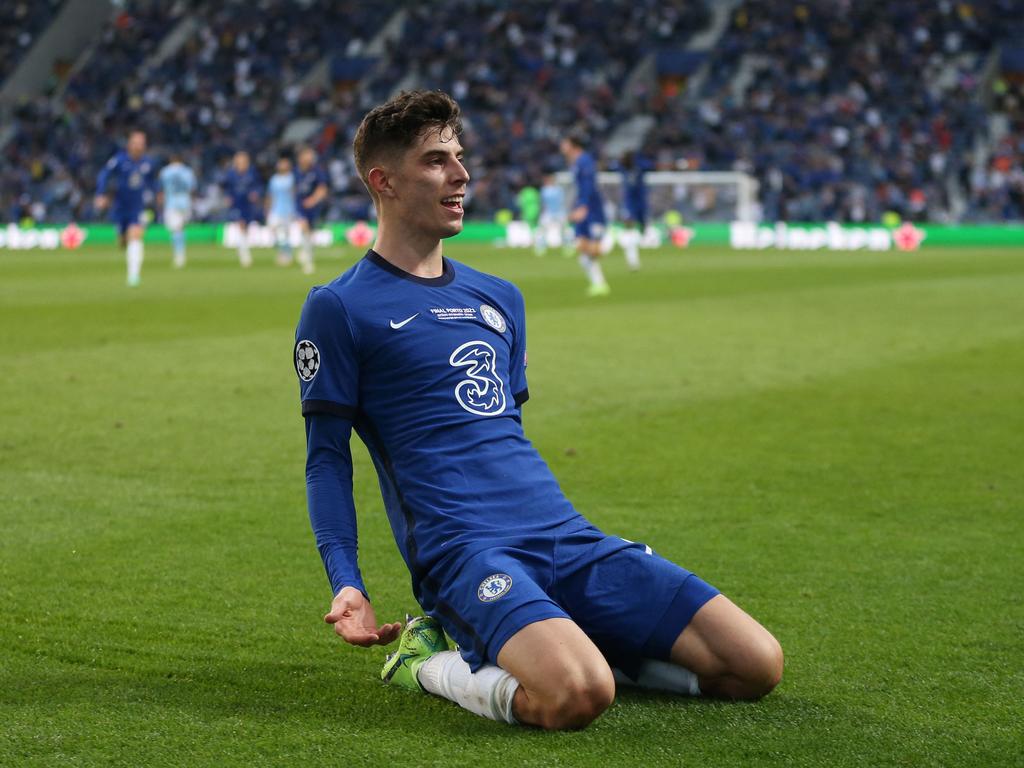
283 166
306 159
241 162
569 150
430 183
136 144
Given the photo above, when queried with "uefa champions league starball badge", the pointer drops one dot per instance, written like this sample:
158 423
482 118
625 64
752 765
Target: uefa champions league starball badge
307 360
492 317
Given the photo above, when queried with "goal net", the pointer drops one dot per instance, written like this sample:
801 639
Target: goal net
694 195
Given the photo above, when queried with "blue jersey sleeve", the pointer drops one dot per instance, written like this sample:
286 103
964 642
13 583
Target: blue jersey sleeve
517 359
104 177
332 512
326 358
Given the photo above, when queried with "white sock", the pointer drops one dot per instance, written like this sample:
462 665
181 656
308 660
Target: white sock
487 692
585 261
662 676
135 255
244 254
595 272
306 249
630 240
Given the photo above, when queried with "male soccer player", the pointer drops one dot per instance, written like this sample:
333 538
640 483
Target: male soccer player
310 192
587 215
634 168
281 208
552 214
425 358
132 172
243 186
177 184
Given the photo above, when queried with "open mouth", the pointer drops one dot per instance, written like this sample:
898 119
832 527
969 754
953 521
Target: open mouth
453 203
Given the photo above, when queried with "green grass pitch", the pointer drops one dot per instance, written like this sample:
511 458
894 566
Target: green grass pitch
836 440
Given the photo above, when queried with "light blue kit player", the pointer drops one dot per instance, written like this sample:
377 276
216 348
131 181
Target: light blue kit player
587 214
177 185
425 358
281 209
133 174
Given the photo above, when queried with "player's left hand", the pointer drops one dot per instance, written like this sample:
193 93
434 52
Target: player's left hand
355 621
578 214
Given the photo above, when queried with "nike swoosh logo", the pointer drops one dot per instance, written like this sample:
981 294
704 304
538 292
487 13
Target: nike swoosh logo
396 326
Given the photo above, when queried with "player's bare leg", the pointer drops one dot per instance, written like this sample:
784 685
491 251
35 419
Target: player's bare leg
134 254
590 259
732 655
306 247
564 680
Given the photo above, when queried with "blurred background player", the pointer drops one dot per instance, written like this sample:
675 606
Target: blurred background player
528 202
243 186
552 215
634 168
588 214
310 192
132 173
281 209
177 185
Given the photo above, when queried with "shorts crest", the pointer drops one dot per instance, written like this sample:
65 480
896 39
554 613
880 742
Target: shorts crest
493 587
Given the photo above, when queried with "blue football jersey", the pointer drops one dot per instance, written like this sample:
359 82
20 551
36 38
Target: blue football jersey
587 191
244 189
134 180
431 373
306 183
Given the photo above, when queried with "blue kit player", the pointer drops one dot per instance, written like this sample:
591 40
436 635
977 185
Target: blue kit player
634 168
281 210
310 194
587 214
177 185
133 175
425 358
245 190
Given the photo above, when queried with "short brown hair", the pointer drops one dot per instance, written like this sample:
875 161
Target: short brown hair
395 125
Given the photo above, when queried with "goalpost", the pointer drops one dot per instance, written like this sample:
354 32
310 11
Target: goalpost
694 195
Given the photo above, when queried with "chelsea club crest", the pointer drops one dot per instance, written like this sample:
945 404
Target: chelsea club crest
492 317
493 587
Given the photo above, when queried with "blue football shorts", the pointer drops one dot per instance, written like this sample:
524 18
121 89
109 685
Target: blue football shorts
630 601
127 217
590 229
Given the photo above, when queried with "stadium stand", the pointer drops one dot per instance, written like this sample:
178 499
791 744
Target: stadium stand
824 102
20 25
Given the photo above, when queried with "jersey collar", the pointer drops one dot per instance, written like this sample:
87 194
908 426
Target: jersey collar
446 276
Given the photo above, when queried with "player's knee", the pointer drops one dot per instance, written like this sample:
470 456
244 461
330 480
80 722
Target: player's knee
580 700
763 667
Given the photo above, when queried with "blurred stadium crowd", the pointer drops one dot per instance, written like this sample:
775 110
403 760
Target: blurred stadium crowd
843 110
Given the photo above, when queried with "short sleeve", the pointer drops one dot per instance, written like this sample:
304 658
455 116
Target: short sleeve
325 357
517 358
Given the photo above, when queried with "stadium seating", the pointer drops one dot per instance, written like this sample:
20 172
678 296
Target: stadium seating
843 111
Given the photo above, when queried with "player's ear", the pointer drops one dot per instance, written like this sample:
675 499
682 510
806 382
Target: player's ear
380 182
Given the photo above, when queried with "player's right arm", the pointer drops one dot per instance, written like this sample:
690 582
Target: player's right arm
326 363
102 201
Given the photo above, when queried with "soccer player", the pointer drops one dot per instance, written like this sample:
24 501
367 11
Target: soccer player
133 174
552 214
281 209
310 191
528 202
634 169
588 214
242 184
177 184
425 358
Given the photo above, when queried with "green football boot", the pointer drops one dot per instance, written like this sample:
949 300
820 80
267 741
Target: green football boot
421 639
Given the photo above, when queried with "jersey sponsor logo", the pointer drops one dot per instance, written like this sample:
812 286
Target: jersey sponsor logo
493 587
482 393
307 360
407 320
493 317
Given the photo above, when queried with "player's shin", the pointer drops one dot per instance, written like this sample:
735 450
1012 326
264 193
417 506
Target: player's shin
134 256
244 254
487 692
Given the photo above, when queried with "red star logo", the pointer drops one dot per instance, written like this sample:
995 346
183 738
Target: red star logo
908 237
72 236
681 236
